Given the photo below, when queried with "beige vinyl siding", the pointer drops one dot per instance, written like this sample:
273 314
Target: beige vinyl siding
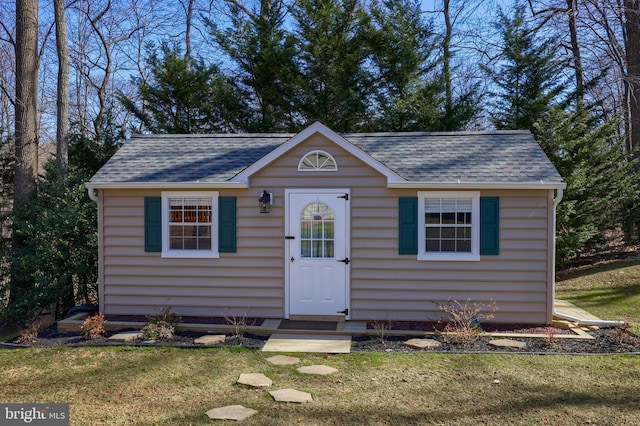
383 284
136 282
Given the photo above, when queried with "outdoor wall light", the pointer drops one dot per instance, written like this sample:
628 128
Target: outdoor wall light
266 199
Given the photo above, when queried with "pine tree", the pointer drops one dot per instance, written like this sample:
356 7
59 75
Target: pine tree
528 76
598 175
410 90
185 96
335 84
402 50
263 53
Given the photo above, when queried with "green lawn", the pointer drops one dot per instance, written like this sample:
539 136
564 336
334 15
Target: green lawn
610 291
169 386
149 386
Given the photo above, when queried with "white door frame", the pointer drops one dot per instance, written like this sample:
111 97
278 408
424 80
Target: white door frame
287 248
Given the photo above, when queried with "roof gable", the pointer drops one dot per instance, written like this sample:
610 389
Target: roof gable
332 136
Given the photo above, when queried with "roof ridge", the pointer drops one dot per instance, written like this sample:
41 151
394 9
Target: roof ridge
211 135
451 133
364 134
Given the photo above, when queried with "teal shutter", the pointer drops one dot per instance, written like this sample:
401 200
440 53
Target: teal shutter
152 224
489 225
408 225
227 224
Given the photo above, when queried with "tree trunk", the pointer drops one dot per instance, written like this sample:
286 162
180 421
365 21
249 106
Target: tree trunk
62 101
632 15
187 36
26 121
572 6
446 59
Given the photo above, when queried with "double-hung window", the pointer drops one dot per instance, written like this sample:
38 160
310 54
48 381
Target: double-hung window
448 225
189 220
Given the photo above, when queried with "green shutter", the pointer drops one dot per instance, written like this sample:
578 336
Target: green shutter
408 225
227 224
152 224
489 225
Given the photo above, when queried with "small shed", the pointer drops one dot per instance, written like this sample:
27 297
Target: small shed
363 226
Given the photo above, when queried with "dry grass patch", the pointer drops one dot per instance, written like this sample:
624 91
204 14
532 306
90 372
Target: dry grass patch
168 386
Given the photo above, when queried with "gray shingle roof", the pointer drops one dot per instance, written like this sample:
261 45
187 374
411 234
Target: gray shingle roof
504 156
186 158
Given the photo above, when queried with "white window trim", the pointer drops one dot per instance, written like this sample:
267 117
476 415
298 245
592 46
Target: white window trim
190 254
475 226
316 152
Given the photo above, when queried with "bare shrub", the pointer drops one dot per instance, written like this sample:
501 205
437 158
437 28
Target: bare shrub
622 335
239 324
462 319
30 333
551 338
382 328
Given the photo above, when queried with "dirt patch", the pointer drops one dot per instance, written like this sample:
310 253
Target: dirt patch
605 341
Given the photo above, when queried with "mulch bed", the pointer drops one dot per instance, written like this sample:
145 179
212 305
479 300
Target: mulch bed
606 341
431 327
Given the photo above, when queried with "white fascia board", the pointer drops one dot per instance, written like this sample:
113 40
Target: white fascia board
316 127
478 185
166 185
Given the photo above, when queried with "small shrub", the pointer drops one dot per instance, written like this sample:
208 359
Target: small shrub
30 334
165 316
161 326
382 328
93 327
160 330
622 335
462 319
551 338
239 324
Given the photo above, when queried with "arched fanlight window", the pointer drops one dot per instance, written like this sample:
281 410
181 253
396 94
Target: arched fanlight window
317 161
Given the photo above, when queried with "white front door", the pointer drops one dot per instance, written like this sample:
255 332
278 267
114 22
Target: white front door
317 252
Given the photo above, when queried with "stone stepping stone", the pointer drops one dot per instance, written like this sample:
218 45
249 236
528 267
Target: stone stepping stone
210 339
321 370
126 336
283 360
422 343
507 343
231 412
257 380
291 395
